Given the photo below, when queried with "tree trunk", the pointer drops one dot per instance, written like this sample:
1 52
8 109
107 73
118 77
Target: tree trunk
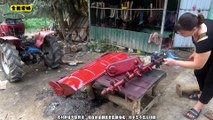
59 17
74 8
79 4
61 22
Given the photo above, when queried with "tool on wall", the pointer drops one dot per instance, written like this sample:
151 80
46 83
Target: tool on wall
151 15
100 13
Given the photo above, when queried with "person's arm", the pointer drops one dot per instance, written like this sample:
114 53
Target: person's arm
191 57
198 63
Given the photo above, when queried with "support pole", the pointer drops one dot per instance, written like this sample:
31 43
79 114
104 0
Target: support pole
89 22
162 24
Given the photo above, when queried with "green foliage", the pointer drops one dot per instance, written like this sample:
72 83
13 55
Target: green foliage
101 45
36 23
98 45
113 48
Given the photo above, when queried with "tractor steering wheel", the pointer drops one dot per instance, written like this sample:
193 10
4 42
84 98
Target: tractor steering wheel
13 15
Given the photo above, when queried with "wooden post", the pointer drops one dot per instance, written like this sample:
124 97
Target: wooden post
184 88
90 92
120 101
136 108
154 90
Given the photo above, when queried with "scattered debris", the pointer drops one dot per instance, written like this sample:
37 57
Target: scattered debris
146 59
121 48
83 89
77 104
72 63
75 63
75 48
80 54
44 88
84 46
66 49
40 95
3 84
130 50
6 116
53 106
209 114
68 68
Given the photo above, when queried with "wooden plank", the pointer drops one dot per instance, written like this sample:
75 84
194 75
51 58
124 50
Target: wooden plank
145 81
137 87
133 92
148 79
209 114
136 107
105 79
120 101
113 98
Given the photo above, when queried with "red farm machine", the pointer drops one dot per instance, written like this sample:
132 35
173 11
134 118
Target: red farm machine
121 78
16 50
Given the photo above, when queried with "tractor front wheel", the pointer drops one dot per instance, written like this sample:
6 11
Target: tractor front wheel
10 62
52 52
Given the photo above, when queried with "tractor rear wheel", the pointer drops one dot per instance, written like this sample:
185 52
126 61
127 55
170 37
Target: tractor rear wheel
11 62
53 52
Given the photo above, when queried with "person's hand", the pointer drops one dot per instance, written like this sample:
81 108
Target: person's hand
169 61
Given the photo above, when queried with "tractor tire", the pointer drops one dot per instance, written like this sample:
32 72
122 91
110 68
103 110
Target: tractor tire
11 63
52 52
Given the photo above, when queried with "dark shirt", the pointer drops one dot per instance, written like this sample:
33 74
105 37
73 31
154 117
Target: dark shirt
206 44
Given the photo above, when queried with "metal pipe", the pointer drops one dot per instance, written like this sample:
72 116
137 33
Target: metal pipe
162 24
89 20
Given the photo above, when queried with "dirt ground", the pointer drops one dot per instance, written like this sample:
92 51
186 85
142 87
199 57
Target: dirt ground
33 99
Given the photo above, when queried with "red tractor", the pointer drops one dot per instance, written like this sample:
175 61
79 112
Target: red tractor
16 50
